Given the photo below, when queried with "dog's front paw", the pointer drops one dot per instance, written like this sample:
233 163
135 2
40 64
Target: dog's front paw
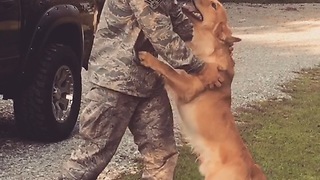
145 58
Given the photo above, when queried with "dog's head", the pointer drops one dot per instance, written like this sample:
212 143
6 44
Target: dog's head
210 15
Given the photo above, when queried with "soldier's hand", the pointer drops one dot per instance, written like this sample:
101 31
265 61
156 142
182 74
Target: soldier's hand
211 75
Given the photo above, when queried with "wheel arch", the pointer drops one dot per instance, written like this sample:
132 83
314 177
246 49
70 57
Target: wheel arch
71 38
59 24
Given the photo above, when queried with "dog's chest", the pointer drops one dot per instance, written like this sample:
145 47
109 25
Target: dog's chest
188 116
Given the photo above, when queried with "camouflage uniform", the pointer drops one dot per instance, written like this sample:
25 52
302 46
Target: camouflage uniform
125 94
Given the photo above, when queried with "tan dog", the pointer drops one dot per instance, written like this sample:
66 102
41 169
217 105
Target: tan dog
207 115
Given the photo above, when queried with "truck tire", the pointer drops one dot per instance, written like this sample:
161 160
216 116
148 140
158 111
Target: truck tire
47 109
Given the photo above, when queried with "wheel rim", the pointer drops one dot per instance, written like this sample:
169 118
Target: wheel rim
62 94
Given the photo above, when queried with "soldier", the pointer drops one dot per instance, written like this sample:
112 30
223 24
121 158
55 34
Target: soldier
126 94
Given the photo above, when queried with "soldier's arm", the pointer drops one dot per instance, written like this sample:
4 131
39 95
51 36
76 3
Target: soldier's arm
157 27
181 24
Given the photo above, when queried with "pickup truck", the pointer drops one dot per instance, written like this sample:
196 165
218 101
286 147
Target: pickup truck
44 44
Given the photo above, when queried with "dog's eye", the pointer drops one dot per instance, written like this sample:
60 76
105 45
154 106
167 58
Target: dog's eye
214 6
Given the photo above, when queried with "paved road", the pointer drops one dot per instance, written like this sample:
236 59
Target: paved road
277 40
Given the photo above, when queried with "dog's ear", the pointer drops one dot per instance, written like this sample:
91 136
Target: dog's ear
224 34
232 39
222 31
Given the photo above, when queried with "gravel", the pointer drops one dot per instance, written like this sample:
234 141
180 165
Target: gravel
277 40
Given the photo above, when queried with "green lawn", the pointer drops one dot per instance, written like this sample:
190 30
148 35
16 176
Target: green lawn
283 135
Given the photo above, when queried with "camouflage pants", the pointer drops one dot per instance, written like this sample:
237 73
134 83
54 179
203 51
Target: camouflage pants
103 123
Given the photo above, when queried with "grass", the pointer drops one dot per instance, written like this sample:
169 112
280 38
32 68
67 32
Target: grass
283 135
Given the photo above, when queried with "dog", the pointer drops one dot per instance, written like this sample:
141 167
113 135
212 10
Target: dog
206 113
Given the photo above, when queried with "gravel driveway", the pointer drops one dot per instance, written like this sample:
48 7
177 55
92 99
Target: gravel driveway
276 41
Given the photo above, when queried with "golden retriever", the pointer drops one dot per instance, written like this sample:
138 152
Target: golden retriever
206 113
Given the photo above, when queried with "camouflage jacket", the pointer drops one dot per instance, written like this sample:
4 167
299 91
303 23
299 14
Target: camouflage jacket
112 62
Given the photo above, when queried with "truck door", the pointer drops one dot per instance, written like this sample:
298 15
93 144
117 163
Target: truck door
10 25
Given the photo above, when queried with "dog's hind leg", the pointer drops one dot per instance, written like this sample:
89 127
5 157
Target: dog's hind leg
185 86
